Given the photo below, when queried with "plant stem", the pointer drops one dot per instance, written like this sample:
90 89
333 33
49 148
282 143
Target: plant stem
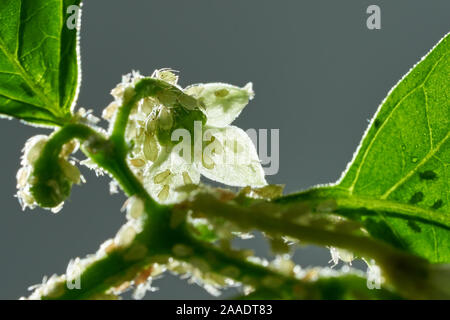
159 238
384 254
346 205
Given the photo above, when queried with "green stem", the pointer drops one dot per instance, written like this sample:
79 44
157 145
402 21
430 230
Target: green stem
123 265
66 134
273 284
120 124
346 204
159 238
394 263
384 254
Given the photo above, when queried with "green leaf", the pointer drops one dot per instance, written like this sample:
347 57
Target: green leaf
403 161
39 69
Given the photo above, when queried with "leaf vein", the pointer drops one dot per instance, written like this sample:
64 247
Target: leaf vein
389 116
428 156
24 75
430 133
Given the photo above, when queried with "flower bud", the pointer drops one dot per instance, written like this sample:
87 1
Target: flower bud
50 189
46 179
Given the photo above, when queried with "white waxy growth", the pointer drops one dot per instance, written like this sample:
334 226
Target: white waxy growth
113 187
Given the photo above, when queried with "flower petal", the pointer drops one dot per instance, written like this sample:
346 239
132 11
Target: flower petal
222 102
232 158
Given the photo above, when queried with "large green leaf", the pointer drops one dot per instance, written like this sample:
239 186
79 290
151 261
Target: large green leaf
403 162
38 60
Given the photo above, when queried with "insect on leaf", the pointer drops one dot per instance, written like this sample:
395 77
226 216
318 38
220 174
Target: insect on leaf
39 71
404 159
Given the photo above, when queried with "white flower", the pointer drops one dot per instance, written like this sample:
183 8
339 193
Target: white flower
221 102
179 135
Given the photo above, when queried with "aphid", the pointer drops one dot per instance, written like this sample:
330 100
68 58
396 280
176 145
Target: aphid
121 288
231 271
181 250
33 148
416 197
164 193
437 204
166 74
143 275
428 175
221 93
186 178
135 252
151 123
22 177
109 112
162 176
70 171
187 101
135 208
150 148
311 275
272 282
69 148
137 162
148 104
168 97
165 119
340 254
108 246
125 236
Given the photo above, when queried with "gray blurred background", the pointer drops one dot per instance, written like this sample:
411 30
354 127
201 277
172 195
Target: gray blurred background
318 73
